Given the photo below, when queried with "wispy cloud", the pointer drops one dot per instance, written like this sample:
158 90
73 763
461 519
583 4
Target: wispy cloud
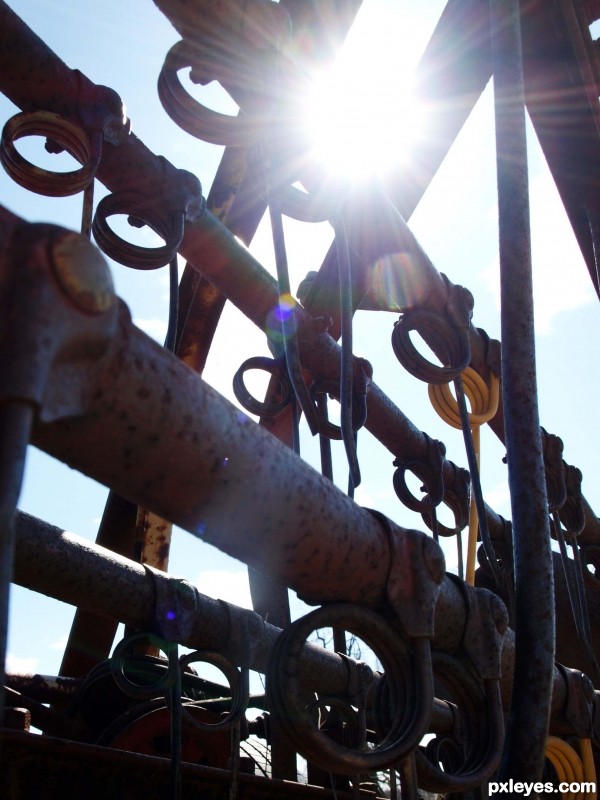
21 664
229 586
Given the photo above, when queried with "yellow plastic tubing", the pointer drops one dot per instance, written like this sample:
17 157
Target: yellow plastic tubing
484 404
570 767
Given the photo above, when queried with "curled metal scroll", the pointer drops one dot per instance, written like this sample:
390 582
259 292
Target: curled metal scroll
238 681
359 408
87 149
428 470
472 756
145 691
169 226
276 368
456 497
408 694
193 117
448 340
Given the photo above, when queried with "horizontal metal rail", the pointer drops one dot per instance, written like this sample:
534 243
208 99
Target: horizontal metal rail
76 571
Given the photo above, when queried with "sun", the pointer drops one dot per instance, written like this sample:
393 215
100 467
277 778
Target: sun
362 116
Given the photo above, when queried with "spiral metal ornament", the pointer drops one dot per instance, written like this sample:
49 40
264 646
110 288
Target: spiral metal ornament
168 227
195 118
87 149
456 498
238 681
274 367
359 408
408 694
118 667
450 342
428 470
470 759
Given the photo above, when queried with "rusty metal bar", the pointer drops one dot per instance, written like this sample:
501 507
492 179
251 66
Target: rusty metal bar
33 77
534 588
76 571
62 565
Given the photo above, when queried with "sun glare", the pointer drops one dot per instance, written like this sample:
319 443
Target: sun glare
361 116
357 125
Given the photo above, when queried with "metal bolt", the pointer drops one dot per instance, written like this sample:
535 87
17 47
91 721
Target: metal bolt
82 273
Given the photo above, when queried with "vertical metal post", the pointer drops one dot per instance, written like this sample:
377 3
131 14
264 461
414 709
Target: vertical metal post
16 418
534 591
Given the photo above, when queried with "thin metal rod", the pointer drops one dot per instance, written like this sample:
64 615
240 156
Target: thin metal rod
287 317
171 337
15 426
476 482
346 359
534 591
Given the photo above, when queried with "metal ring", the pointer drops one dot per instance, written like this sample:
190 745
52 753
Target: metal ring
359 408
456 497
126 253
355 733
407 721
238 682
137 690
434 486
484 399
85 149
451 341
483 734
274 367
196 119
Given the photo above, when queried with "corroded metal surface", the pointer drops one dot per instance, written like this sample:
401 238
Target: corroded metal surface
99 395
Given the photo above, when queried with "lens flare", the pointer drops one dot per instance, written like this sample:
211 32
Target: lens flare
281 319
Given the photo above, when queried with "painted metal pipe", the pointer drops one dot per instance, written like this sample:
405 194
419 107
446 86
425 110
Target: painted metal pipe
534 589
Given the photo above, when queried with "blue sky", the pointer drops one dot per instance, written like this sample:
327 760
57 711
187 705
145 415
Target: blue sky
122 45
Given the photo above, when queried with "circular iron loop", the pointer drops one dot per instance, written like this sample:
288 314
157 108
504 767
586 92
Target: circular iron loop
484 399
356 730
458 508
434 485
483 734
456 497
137 690
85 149
359 409
451 341
238 682
274 367
195 118
132 255
408 723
